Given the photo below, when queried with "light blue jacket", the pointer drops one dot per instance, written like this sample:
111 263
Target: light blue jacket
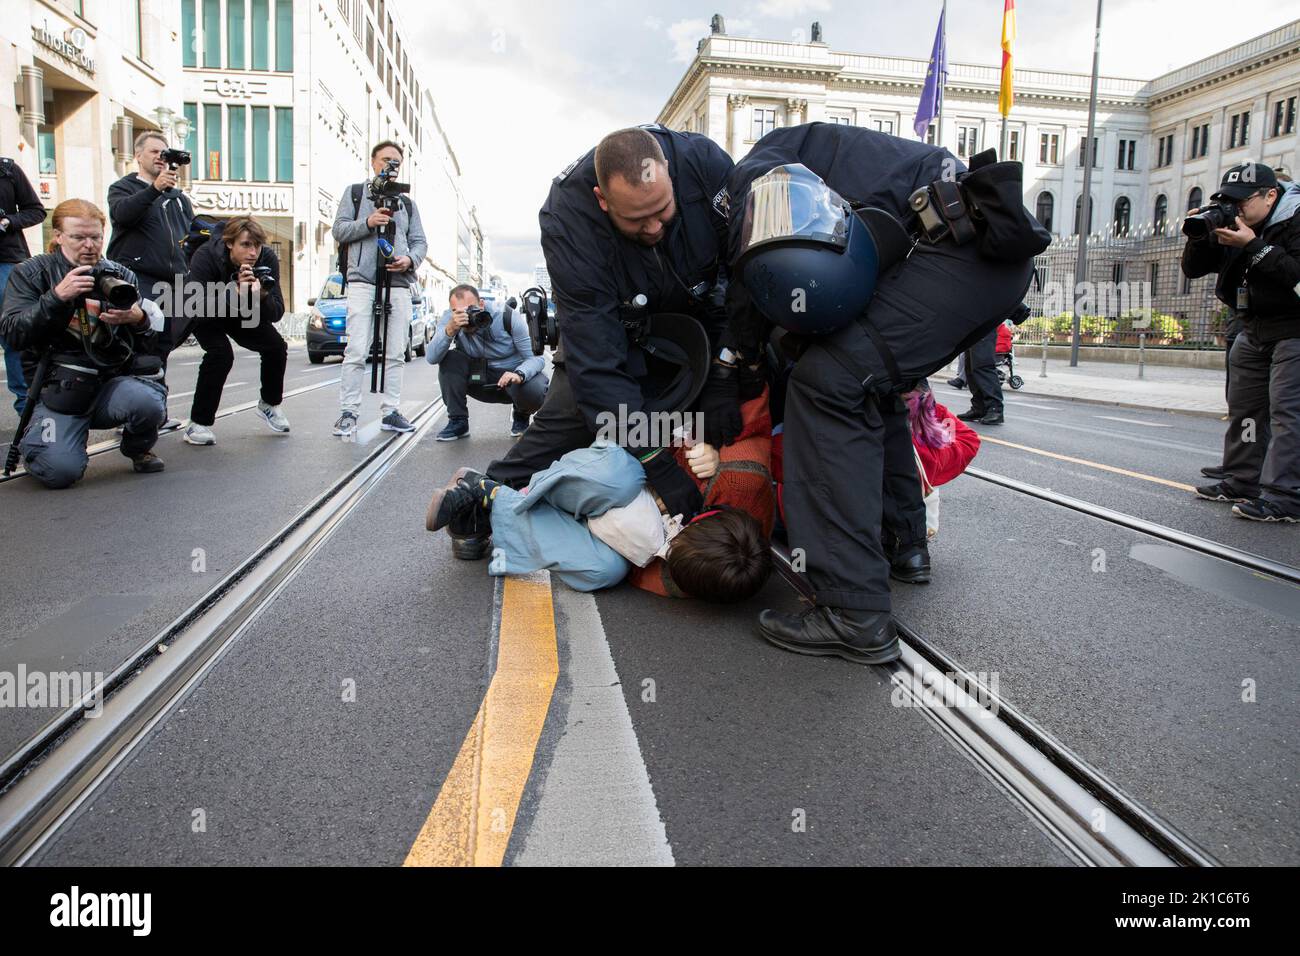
511 350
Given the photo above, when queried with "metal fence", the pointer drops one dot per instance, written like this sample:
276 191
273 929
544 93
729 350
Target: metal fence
1134 284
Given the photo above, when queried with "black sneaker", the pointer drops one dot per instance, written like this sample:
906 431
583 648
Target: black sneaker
956 383
993 418
395 421
1261 509
518 426
467 491
972 415
455 428
1215 472
147 463
863 637
1221 491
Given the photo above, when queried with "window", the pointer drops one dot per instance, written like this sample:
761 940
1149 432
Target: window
1154 276
212 140
1123 215
839 120
1043 210
261 144
1200 141
1165 155
882 126
260 17
192 140
48 165
283 144
237 120
1283 117
1161 215
1078 205
1127 150
370 42
212 33
284 35
1049 149
1240 135
764 123
137 29
1013 145
967 141
1095 158
235 34
189 35
1194 198
930 134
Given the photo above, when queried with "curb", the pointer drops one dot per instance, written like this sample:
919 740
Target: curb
1199 413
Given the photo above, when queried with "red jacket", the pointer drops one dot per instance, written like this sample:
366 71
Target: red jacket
1004 339
944 464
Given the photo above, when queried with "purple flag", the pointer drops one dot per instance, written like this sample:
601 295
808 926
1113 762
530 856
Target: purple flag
932 93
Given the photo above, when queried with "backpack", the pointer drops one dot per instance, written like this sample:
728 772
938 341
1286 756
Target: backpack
403 199
202 229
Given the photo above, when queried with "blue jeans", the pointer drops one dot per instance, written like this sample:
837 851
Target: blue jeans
13 357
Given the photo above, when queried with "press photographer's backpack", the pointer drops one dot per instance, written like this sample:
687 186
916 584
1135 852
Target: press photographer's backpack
202 229
357 190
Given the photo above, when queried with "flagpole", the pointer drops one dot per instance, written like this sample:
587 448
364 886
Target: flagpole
943 46
1085 200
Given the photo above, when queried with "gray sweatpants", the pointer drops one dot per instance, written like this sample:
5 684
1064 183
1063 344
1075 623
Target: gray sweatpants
1264 397
54 445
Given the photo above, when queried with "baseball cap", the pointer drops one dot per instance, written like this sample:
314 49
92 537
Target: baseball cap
1245 179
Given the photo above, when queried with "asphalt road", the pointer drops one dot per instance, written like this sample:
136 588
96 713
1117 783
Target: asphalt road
674 733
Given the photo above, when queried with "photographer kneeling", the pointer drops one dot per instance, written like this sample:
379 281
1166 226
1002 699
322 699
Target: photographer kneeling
1251 238
90 346
245 273
490 363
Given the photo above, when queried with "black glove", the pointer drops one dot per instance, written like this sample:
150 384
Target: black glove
675 488
720 403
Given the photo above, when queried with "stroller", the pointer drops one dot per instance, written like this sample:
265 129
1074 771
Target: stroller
1005 358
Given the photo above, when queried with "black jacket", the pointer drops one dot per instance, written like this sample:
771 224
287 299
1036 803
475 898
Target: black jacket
1273 282
21 206
594 269
35 319
148 228
212 264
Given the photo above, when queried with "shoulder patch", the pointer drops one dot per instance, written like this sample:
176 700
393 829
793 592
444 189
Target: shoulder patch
722 203
568 169
653 127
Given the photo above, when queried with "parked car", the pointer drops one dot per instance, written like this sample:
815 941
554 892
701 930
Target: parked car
327 327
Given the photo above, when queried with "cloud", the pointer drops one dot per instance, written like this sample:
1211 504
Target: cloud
685 36
783 9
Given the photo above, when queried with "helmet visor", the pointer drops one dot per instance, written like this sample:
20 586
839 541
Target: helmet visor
792 203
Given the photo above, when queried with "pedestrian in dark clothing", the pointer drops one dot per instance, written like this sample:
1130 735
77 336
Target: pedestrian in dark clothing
20 208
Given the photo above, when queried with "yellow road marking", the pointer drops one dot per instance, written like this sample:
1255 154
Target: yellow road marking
1092 464
471 821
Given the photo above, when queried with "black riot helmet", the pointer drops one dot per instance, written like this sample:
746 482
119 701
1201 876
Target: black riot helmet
807 260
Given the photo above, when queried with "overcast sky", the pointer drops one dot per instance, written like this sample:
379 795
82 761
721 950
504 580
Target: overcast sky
525 86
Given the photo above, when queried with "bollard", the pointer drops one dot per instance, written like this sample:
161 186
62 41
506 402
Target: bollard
1142 354
1042 372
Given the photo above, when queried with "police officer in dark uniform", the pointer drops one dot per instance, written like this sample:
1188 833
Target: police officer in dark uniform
635 227
879 290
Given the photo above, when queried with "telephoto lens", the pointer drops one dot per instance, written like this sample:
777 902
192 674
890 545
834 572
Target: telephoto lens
1220 215
113 289
479 317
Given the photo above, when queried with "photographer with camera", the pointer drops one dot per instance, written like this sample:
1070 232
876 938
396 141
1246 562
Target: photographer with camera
1250 237
91 351
150 218
381 241
20 208
492 361
247 272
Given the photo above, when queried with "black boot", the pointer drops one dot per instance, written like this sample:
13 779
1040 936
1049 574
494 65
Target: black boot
972 414
993 418
464 507
911 566
863 637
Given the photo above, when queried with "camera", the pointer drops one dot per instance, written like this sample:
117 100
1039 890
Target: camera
175 157
543 329
112 289
479 318
384 188
1218 215
265 275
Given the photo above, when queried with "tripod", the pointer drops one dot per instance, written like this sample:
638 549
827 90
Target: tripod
382 308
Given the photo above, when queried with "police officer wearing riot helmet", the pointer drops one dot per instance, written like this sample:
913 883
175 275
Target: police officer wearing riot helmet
643 214
490 362
825 243
1255 250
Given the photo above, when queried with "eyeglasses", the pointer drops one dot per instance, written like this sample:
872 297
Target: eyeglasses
82 240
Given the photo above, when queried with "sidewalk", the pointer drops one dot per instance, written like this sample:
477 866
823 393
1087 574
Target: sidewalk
1189 390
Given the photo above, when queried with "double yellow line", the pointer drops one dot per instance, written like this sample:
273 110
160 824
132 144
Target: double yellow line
472 819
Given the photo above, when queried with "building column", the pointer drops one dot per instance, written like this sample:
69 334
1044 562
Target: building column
794 111
123 145
737 103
